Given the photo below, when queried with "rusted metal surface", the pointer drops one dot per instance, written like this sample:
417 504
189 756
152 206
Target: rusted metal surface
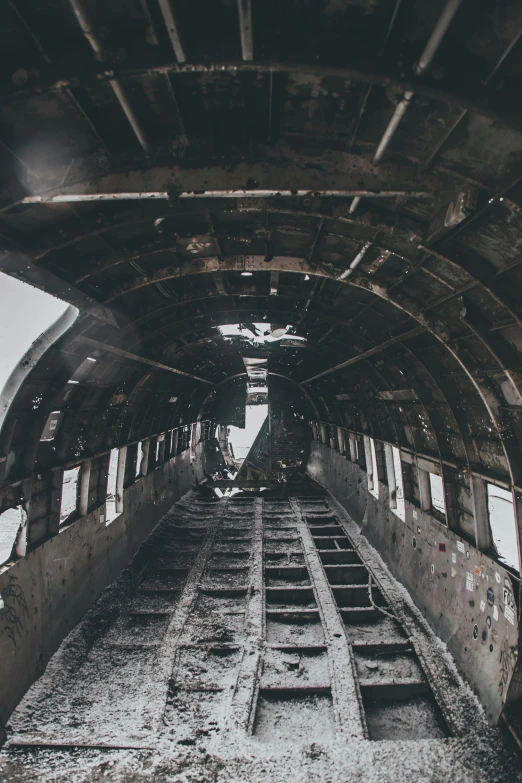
246 630
241 214
428 569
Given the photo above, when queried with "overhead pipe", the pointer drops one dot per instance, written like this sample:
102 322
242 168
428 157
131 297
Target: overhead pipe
356 261
96 45
172 30
434 41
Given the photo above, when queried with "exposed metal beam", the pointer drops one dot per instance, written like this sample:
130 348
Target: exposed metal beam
445 136
317 240
498 106
442 141
453 255
391 23
117 87
105 347
172 29
378 348
86 113
245 484
274 282
211 264
318 282
219 283
328 333
73 94
214 233
434 41
177 111
244 8
69 198
356 261
507 51
476 266
280 172
17 265
439 31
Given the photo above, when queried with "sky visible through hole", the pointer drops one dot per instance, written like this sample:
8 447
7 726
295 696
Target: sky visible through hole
503 525
234 330
242 439
260 333
26 313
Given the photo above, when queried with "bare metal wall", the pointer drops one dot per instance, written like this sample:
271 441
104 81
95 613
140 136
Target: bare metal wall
451 582
49 591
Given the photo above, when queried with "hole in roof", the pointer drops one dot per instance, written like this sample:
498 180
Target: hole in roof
18 332
242 439
256 332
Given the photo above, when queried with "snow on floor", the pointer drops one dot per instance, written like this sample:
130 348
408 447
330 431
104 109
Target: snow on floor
157 664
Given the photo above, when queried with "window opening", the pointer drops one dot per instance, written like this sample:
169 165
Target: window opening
375 489
69 501
158 446
110 503
503 525
10 523
139 457
400 510
437 493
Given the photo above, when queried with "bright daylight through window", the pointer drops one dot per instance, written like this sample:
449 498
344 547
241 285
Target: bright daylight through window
111 510
242 439
503 525
400 508
375 489
437 493
69 493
